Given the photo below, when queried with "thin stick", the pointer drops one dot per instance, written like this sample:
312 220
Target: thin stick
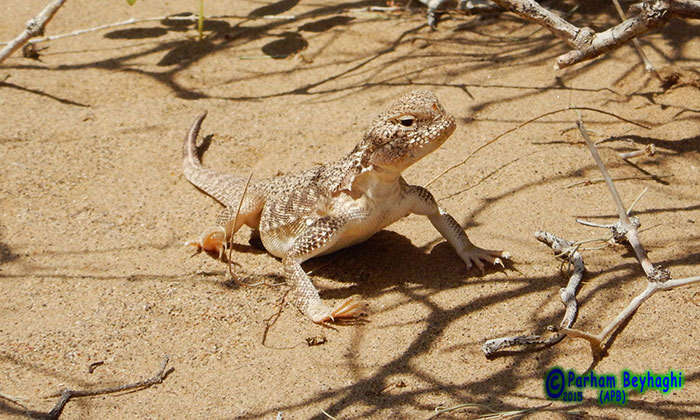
649 150
513 413
438 410
611 186
621 178
593 224
626 227
328 415
637 45
34 27
546 114
200 20
597 341
636 200
67 394
230 228
191 18
562 248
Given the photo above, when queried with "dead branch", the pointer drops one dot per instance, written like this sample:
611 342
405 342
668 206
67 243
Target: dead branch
598 342
34 27
186 18
637 45
649 150
67 394
14 400
584 41
562 248
232 225
621 178
625 229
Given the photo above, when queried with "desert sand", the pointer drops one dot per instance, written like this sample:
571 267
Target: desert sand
95 211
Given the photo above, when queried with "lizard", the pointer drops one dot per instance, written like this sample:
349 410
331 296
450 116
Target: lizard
336 205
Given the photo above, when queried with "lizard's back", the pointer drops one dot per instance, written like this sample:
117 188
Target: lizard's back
294 202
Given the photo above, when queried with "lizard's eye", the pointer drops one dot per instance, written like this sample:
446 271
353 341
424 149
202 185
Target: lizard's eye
407 120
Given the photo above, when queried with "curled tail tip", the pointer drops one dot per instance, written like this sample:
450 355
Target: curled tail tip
191 138
196 124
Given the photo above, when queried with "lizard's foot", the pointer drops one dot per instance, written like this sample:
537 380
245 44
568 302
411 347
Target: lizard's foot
213 243
350 308
476 256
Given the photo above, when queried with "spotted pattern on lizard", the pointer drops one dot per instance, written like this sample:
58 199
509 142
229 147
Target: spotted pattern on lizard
332 206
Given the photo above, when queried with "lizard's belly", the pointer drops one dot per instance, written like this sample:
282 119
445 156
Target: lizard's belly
355 234
376 218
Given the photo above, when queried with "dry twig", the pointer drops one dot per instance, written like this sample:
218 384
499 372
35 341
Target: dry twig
186 18
35 27
622 178
233 224
625 230
510 130
637 45
493 414
562 248
67 394
584 41
649 150
14 400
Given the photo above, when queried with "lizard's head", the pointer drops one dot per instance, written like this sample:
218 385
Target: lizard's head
413 126
409 129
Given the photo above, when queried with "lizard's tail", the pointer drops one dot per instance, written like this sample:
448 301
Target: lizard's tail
222 187
189 151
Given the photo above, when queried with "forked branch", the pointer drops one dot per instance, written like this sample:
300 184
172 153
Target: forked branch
68 394
568 251
584 41
625 229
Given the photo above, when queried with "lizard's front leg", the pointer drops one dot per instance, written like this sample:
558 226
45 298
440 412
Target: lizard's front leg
316 238
423 202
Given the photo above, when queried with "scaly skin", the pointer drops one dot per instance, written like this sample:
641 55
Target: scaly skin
333 206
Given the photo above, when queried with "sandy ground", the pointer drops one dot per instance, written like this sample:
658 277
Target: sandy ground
94 211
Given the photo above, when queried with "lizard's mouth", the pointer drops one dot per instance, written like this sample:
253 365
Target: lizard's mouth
424 142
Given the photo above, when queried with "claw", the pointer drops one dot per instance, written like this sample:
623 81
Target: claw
347 309
475 256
